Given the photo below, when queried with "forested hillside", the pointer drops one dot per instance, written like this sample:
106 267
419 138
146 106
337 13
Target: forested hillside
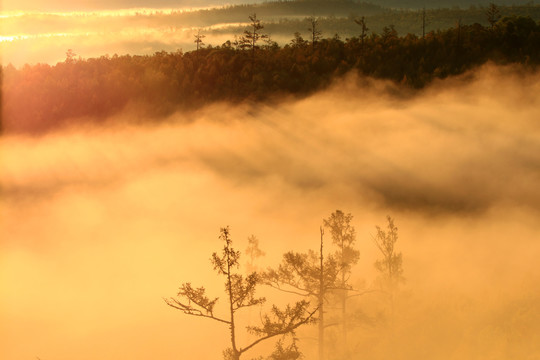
41 97
404 21
418 4
280 18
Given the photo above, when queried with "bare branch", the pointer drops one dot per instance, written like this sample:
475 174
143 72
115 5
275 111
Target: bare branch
367 292
282 322
189 310
288 291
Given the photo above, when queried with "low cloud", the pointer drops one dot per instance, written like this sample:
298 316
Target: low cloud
64 5
99 224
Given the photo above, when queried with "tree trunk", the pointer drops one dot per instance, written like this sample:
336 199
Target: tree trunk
321 302
236 353
344 317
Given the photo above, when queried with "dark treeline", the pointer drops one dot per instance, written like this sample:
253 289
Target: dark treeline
283 17
41 97
405 21
266 11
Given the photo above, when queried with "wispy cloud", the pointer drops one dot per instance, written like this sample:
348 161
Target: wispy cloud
99 223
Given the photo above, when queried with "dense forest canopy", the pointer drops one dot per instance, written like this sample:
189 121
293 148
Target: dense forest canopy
404 21
41 97
284 14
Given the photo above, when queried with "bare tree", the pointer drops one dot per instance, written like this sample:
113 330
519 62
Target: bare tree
240 293
363 30
314 31
459 24
424 22
199 39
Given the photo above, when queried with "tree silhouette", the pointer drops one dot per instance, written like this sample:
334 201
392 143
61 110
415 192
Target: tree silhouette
298 42
199 39
343 236
250 38
390 266
314 31
424 23
240 293
363 30
253 252
308 275
493 15
70 56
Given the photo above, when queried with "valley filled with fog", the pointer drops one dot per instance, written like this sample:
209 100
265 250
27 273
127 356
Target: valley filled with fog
100 222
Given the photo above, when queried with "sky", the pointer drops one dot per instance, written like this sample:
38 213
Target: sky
99 224
42 32
86 5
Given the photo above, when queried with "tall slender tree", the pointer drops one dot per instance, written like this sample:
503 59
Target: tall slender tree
493 15
240 293
251 37
314 31
424 23
344 238
310 275
199 39
363 30
390 265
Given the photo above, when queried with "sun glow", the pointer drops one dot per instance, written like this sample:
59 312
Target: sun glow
11 38
111 219
142 11
39 36
30 37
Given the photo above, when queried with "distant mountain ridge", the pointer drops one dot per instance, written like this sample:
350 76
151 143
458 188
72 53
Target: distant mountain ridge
418 4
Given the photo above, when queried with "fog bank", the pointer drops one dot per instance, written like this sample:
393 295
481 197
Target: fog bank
97 225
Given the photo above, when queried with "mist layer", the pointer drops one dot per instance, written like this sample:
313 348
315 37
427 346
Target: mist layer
99 224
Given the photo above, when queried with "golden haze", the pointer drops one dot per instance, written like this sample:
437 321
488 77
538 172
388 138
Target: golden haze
98 224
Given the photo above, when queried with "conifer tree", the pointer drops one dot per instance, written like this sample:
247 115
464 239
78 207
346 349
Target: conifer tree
240 293
199 39
390 265
310 274
363 30
493 15
250 38
314 31
344 238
